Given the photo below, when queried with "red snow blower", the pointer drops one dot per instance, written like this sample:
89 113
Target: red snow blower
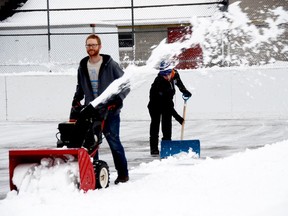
72 136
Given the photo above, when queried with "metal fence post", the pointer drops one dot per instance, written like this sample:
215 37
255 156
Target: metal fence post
133 29
49 33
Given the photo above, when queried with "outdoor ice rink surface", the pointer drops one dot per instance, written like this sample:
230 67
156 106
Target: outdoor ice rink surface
218 139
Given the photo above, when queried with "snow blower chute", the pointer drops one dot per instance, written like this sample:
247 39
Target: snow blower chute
169 148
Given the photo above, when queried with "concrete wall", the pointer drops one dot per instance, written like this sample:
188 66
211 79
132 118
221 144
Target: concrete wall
225 93
239 93
36 97
2 98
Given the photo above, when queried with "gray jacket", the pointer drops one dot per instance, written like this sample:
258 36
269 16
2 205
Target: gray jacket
109 71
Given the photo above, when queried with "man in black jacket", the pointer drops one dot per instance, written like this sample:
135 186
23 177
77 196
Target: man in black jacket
95 73
161 104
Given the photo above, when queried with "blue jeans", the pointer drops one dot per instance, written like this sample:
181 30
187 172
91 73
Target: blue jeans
111 132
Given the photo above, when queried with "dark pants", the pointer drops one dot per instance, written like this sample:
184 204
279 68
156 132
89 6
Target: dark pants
111 133
157 116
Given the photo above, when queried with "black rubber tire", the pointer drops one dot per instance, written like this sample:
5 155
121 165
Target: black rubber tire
102 174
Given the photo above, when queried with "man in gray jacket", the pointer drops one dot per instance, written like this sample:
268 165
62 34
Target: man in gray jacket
95 73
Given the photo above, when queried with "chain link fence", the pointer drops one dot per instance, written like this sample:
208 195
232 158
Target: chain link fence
131 32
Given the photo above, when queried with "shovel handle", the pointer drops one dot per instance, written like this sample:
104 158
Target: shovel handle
184 116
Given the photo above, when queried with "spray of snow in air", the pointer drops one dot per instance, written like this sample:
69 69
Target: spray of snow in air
214 34
231 39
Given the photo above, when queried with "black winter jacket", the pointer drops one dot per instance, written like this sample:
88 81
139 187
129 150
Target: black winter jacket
162 92
109 71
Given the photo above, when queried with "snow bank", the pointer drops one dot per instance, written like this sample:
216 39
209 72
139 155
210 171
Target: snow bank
253 182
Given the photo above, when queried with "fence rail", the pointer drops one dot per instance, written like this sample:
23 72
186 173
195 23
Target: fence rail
49 47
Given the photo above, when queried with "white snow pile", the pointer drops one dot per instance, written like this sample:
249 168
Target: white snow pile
49 174
253 182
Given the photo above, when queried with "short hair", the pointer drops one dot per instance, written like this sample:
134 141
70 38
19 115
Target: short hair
94 36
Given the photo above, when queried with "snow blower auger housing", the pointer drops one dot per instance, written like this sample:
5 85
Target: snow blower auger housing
92 175
23 157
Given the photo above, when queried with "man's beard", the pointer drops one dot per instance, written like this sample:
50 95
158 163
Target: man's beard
92 53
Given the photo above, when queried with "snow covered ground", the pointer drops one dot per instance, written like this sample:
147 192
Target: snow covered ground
242 171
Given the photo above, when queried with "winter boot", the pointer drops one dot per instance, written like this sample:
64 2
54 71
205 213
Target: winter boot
154 151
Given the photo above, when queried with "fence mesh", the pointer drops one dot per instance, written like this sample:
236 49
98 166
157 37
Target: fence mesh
130 34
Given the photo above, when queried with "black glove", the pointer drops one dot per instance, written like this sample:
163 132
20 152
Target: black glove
75 110
87 112
114 102
177 117
101 112
76 103
186 94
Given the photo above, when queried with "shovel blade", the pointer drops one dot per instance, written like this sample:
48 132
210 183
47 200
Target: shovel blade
169 148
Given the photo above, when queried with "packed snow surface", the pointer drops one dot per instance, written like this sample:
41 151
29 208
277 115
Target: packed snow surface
253 182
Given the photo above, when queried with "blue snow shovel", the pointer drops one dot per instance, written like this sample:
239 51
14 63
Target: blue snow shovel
169 148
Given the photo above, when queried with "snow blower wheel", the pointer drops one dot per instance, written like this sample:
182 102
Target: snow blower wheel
102 175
